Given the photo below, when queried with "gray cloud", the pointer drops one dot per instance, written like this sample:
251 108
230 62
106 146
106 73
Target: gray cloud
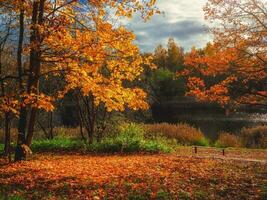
183 20
182 30
187 33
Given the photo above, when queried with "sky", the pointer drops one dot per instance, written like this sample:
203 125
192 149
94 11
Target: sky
182 19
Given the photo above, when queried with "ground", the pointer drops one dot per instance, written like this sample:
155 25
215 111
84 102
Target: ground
179 175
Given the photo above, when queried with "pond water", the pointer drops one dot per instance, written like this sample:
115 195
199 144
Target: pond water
212 123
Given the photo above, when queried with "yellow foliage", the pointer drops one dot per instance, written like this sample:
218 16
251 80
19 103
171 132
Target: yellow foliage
100 59
78 41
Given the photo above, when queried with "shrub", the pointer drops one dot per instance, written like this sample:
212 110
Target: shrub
155 146
227 140
183 133
115 146
129 133
202 142
130 138
255 137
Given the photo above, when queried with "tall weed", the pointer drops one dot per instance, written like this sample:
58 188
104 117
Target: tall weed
255 137
183 133
228 140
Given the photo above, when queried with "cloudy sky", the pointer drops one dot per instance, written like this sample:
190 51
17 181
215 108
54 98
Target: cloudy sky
182 19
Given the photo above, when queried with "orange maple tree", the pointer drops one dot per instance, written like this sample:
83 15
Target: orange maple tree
78 42
232 70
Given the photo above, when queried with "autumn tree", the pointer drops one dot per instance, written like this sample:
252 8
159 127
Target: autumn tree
160 57
76 40
171 58
163 82
232 70
175 58
7 95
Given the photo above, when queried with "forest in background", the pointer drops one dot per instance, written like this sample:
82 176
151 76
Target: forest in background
65 63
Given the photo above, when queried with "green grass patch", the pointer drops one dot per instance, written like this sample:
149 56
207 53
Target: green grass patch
129 139
57 144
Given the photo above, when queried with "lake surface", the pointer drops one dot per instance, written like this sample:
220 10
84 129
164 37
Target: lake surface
210 121
211 126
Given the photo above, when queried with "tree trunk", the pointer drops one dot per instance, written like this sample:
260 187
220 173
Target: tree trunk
80 114
81 128
7 134
33 79
31 124
19 153
51 126
35 62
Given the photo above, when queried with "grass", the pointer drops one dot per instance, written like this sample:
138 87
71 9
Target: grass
57 144
107 145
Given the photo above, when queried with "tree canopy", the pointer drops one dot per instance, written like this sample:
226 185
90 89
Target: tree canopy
236 60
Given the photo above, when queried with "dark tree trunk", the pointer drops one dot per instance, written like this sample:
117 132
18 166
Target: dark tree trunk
51 135
88 117
81 115
19 153
31 124
7 150
35 63
81 128
33 79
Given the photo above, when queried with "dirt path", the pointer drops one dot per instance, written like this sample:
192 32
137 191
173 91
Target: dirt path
217 157
243 155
